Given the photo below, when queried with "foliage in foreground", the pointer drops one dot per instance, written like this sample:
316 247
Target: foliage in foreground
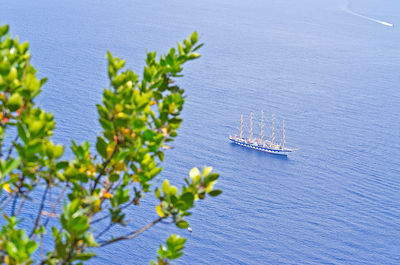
139 118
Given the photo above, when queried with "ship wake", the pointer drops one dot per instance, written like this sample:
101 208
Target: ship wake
346 9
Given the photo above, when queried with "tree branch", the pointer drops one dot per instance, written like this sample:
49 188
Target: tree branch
133 234
21 206
105 230
14 203
53 208
25 69
39 215
4 204
21 181
12 147
108 215
105 164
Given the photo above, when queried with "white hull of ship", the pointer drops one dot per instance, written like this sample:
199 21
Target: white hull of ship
269 150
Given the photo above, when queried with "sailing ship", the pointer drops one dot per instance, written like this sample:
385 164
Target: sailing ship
269 146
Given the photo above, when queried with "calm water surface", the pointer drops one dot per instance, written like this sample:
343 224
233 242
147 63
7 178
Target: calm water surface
333 76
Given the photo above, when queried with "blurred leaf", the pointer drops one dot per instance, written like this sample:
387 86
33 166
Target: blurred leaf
7 188
3 30
215 193
101 147
159 211
22 133
188 198
194 172
165 186
182 224
206 171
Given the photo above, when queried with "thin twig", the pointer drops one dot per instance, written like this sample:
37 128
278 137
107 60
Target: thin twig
21 206
105 230
25 69
41 247
108 215
4 198
39 215
133 234
168 222
50 197
53 208
21 180
11 147
55 215
100 219
59 198
4 205
105 164
14 203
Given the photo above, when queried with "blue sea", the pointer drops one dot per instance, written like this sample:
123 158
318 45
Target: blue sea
329 68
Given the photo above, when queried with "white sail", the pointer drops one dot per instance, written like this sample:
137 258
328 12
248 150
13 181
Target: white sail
283 135
251 126
272 129
241 125
261 125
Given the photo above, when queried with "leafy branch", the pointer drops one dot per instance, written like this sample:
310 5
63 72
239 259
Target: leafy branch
139 116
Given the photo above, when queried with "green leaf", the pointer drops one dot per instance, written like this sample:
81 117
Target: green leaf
61 249
118 80
154 172
193 56
211 178
188 198
157 192
175 121
165 186
206 171
114 177
15 102
11 165
78 225
58 151
198 47
148 134
5 67
188 45
24 47
180 48
173 190
101 147
107 125
161 156
103 111
31 246
84 256
90 240
121 196
194 37
182 224
215 193
3 30
21 132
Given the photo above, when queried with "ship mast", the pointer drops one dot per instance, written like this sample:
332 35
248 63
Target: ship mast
272 127
251 125
241 126
283 135
262 119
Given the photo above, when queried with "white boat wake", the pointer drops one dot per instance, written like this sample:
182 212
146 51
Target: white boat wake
345 7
